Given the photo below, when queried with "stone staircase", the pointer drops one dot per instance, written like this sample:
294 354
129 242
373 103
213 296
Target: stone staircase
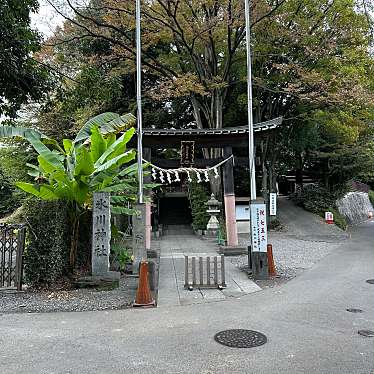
178 230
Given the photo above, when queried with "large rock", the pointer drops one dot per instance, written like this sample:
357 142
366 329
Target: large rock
355 206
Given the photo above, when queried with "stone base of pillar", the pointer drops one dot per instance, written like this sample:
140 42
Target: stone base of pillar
260 268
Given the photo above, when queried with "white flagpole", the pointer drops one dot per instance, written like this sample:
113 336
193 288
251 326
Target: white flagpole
139 101
252 170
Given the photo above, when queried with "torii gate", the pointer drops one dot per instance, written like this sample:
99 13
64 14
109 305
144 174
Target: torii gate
226 139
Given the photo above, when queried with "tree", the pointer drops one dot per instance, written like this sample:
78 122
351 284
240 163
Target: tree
308 57
313 67
73 171
22 78
189 46
7 202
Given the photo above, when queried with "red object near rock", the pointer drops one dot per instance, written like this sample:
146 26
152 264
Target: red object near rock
144 296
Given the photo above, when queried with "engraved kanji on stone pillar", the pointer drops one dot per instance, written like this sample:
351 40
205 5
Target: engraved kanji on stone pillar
100 233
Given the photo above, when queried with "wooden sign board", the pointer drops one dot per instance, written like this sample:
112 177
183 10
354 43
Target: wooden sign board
187 153
258 228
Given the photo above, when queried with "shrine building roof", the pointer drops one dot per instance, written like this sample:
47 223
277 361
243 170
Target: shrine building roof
257 127
209 138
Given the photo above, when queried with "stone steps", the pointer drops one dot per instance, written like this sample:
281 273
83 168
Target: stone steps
178 230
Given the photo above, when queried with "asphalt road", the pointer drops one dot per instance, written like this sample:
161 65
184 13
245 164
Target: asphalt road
306 322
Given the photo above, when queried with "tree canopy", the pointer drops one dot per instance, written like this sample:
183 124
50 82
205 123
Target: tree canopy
21 77
312 65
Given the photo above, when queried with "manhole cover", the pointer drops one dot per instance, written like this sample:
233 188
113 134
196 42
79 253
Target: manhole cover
367 333
370 281
239 338
354 310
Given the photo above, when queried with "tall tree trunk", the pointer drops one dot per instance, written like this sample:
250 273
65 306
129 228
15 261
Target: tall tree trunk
214 119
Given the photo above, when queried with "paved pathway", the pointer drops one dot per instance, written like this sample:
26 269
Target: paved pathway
171 284
308 328
307 226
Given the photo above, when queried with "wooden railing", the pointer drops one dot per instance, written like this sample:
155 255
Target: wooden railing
204 272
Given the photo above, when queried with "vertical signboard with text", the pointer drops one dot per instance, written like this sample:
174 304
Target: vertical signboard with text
273 204
259 228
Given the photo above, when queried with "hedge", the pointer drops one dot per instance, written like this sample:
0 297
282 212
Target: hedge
46 253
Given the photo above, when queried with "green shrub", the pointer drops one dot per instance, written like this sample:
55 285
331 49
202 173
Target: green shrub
371 197
46 254
198 196
339 219
121 255
7 200
318 200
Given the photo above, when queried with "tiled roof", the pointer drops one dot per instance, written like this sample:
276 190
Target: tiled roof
257 127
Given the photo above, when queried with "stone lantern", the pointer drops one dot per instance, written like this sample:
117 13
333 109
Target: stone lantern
213 210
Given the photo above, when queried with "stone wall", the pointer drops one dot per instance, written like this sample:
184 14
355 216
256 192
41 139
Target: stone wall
355 206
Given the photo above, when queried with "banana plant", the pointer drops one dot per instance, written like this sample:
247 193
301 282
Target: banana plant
96 160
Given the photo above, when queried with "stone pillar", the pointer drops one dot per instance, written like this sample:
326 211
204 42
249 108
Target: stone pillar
148 211
229 199
100 233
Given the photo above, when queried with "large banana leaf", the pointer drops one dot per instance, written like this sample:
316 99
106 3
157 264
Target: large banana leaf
43 192
68 146
123 210
116 148
121 187
121 148
47 166
98 144
21 132
34 171
132 170
107 123
117 161
36 139
84 164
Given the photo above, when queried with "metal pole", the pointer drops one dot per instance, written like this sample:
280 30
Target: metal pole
252 170
139 101
251 156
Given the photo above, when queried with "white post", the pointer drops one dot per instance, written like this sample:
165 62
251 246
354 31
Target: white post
139 101
256 259
252 170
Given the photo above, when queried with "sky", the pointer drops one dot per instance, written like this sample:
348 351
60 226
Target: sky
46 20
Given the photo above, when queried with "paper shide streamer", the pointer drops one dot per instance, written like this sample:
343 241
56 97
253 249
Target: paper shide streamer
202 175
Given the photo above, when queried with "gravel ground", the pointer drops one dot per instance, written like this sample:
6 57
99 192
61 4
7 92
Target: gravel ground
291 256
69 301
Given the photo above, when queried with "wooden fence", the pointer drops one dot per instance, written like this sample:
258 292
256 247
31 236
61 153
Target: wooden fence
12 244
204 272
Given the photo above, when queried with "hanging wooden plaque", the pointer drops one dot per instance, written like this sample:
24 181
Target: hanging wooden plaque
187 153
